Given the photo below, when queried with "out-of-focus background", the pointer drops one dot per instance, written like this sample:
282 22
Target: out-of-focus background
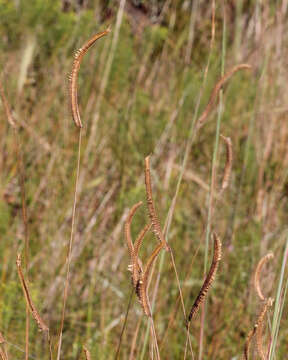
139 90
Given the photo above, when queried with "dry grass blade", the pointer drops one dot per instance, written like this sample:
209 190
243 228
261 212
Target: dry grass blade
216 90
151 208
87 353
228 164
7 107
209 278
143 283
259 331
74 75
258 271
41 324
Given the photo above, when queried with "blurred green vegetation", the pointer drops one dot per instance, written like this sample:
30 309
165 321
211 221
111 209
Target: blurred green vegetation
137 95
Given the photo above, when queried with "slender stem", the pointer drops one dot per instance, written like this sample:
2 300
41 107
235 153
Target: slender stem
213 178
68 260
124 324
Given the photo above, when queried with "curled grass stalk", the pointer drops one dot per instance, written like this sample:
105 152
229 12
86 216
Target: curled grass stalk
76 117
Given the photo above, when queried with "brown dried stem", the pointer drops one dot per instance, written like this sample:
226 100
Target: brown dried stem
202 119
151 208
257 276
74 75
228 164
209 278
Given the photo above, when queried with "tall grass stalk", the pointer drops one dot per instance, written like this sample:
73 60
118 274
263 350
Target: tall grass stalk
213 179
68 259
279 304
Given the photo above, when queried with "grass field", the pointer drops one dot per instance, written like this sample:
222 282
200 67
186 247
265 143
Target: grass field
141 91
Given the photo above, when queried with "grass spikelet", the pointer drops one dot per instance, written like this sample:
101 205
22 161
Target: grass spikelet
151 208
257 276
87 353
228 164
143 282
74 75
140 238
202 119
248 343
209 278
41 324
259 331
135 266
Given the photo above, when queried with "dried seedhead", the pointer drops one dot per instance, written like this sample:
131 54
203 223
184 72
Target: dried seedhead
140 274
74 76
257 276
216 91
228 164
151 208
87 353
209 278
258 330
140 277
41 324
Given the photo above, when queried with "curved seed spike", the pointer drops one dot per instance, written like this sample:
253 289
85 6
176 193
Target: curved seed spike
228 165
248 343
128 228
41 325
259 328
151 208
258 270
209 278
137 267
143 283
140 237
74 75
135 263
216 90
87 353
